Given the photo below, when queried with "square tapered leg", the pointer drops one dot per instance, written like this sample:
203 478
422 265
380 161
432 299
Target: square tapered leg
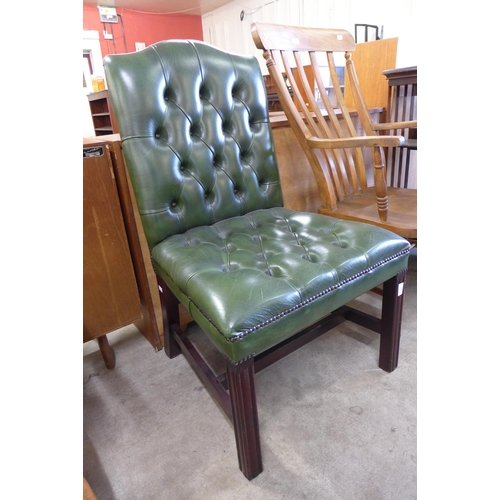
392 309
241 385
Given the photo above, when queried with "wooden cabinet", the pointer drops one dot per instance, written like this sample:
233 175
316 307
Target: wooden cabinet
110 296
102 114
110 293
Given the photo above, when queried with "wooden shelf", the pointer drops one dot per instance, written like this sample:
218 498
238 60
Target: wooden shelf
102 114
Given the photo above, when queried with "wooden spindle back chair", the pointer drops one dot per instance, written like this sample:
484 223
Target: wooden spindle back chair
324 127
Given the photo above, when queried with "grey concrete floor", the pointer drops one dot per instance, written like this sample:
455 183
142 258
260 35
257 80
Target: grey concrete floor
333 425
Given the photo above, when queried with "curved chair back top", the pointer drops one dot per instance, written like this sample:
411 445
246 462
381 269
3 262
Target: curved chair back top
195 133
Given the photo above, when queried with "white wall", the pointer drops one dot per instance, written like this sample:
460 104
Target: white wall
398 17
223 28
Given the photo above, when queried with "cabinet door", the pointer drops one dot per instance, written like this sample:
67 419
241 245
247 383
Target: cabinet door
110 294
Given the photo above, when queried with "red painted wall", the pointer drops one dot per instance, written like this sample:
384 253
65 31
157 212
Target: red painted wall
140 27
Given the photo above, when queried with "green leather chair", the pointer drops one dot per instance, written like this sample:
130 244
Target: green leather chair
258 279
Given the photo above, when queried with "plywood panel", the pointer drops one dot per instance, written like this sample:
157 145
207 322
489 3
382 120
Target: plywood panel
370 60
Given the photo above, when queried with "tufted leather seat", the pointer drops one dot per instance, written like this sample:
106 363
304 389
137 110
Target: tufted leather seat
272 271
253 275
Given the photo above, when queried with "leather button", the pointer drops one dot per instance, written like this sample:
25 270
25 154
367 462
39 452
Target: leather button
341 244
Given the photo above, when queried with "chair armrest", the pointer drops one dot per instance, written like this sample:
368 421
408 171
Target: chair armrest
372 141
395 125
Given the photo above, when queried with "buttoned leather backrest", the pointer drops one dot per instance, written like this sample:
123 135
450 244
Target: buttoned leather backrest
195 133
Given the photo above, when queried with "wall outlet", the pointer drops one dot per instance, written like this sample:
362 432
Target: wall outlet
108 36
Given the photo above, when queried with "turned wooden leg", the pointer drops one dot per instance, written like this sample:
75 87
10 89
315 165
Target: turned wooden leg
107 352
170 316
379 173
392 309
241 385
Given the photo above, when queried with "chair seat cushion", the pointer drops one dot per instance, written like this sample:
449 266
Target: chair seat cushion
362 207
245 280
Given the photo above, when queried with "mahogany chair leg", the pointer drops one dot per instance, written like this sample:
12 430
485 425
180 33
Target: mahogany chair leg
107 352
170 316
392 308
241 385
